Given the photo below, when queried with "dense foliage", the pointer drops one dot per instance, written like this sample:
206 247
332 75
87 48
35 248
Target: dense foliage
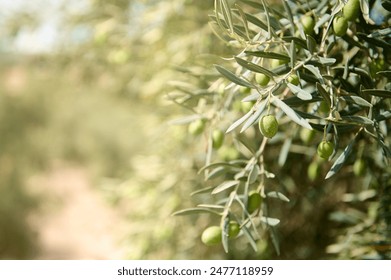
303 95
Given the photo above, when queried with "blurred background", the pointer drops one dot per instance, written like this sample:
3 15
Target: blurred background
86 154
90 167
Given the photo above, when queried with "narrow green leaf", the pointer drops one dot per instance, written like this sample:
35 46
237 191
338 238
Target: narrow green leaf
358 119
203 190
289 15
270 221
284 151
275 240
225 186
374 41
322 21
244 20
278 195
356 100
253 176
328 61
239 122
299 92
224 234
386 74
254 118
341 160
219 171
291 113
254 67
292 50
314 70
232 77
311 44
272 55
254 20
323 93
227 14
378 92
251 97
191 211
298 41
217 164
250 238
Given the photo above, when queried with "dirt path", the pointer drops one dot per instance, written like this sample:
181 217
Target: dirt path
75 222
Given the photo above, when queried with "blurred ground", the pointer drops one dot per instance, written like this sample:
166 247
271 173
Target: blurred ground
75 222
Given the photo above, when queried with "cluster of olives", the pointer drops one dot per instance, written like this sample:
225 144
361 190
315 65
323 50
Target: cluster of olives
213 235
350 12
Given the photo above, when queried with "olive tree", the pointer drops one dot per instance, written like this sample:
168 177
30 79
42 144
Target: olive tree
293 121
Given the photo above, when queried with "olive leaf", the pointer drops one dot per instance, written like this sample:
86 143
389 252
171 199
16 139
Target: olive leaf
232 77
225 186
341 160
191 211
275 194
299 92
291 113
254 118
253 67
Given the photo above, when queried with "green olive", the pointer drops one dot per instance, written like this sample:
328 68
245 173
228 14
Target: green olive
325 149
294 79
228 153
313 171
340 26
308 24
246 106
351 10
244 90
359 167
268 126
324 107
262 79
196 127
274 63
211 235
254 201
217 138
307 135
233 229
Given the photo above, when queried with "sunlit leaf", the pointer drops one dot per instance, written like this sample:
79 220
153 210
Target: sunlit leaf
341 159
271 55
314 70
378 92
357 100
253 176
291 113
254 118
191 211
299 92
270 221
323 93
284 151
232 77
225 186
254 67
278 195
239 122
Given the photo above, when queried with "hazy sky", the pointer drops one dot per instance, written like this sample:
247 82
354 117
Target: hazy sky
49 13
